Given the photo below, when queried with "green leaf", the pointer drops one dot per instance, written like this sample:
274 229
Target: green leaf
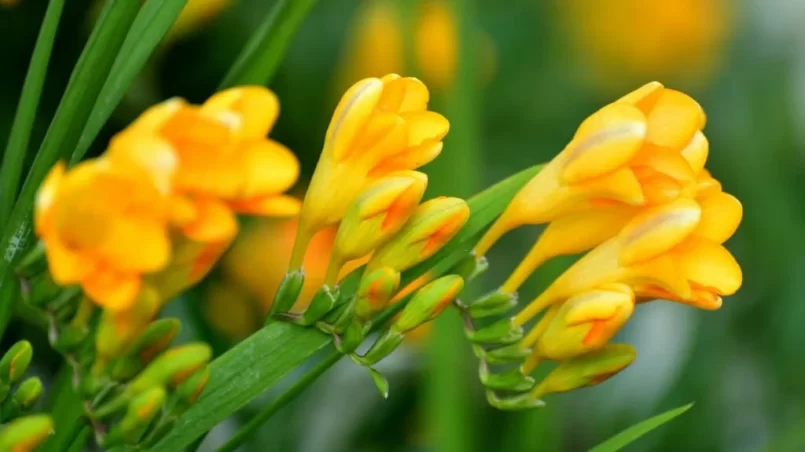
150 26
264 358
634 432
82 90
17 147
261 56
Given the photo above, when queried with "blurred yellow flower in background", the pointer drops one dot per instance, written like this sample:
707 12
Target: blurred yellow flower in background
379 44
634 40
196 14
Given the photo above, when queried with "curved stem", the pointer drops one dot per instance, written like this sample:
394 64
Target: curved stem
240 437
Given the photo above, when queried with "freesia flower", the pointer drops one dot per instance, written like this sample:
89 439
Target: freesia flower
379 127
673 251
646 148
105 222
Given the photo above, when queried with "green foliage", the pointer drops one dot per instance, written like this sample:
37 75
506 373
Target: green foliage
634 432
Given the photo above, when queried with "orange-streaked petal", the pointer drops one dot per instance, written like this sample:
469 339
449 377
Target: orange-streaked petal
709 265
603 142
657 230
721 215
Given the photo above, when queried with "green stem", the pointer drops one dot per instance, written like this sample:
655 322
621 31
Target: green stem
20 137
261 56
242 435
80 440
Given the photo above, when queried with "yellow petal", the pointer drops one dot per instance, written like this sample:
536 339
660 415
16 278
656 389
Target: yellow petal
188 128
256 106
351 115
148 152
153 119
426 126
621 185
214 222
46 195
410 158
696 152
268 206
674 120
605 141
403 94
111 290
666 161
709 265
136 245
658 188
721 215
644 97
269 168
657 230
65 265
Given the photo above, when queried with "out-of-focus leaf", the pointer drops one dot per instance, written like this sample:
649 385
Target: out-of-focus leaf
17 147
261 56
634 432
150 26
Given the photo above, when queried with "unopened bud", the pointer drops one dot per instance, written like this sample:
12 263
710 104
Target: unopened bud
502 332
26 434
118 330
587 370
172 367
376 215
288 292
189 390
586 322
28 393
429 302
433 224
153 341
375 291
15 362
142 411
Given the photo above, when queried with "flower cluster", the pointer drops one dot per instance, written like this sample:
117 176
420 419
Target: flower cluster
631 189
365 182
158 208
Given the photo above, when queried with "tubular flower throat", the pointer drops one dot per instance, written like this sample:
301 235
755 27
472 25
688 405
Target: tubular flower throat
382 125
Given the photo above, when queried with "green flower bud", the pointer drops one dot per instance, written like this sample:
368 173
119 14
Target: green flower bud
375 291
28 393
288 292
433 224
142 411
26 434
15 362
189 390
587 370
502 332
172 367
429 302
153 341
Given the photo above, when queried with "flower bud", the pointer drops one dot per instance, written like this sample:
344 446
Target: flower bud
375 216
141 412
586 322
28 393
26 434
153 341
375 291
172 367
587 370
118 330
429 302
15 362
434 223
189 390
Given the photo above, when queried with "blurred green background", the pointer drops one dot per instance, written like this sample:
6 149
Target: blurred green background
515 77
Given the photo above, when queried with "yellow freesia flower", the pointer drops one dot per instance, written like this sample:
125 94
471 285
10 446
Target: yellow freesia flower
381 125
672 250
105 222
637 40
646 148
226 163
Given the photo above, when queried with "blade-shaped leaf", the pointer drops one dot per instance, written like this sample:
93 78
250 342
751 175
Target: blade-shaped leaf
634 432
264 358
261 56
82 90
17 147
150 26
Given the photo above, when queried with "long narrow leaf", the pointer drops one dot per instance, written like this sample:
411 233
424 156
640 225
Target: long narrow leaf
261 56
634 432
150 26
264 358
62 135
20 137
